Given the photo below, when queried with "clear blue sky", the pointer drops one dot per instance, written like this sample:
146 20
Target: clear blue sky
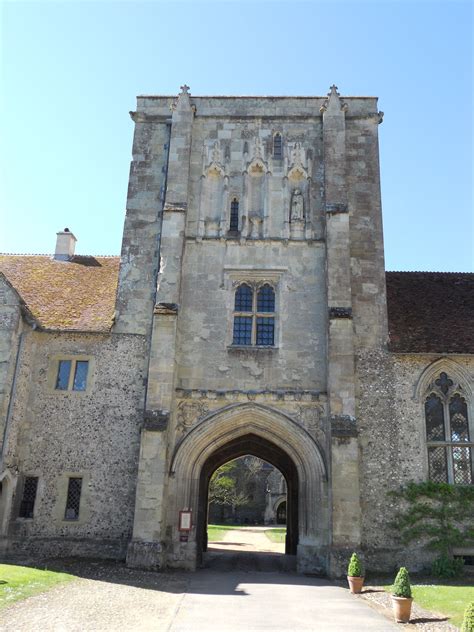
71 71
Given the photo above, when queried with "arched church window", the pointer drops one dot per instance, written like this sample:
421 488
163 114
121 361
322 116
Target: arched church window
234 216
254 316
449 440
277 146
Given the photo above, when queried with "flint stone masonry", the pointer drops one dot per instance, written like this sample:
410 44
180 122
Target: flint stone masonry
170 396
93 434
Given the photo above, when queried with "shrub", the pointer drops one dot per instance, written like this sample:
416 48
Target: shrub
447 567
468 622
355 567
401 586
438 514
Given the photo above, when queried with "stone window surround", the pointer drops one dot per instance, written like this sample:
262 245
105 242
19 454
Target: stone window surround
53 373
462 385
235 276
18 494
448 444
62 485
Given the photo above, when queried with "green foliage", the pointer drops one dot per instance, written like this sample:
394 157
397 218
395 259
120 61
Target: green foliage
447 567
468 622
401 586
439 514
355 567
223 489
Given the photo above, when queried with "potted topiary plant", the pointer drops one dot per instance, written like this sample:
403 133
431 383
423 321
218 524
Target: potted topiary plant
468 622
401 596
354 574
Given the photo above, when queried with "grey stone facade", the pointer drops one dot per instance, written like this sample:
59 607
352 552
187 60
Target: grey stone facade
171 395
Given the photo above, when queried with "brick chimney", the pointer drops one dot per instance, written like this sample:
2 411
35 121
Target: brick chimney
65 245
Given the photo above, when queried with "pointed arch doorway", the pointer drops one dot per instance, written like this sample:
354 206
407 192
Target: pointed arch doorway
271 435
254 445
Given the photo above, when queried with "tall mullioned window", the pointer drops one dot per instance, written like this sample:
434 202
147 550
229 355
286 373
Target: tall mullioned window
254 316
450 446
234 216
73 500
27 506
277 146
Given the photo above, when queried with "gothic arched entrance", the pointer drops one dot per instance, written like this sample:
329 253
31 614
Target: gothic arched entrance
281 513
271 435
268 451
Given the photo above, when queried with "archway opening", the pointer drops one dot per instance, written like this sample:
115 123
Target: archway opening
243 449
281 513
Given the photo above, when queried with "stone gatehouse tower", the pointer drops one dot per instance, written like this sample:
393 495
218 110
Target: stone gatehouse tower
250 318
258 313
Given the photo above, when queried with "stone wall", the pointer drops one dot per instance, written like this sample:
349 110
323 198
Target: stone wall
392 445
92 434
11 326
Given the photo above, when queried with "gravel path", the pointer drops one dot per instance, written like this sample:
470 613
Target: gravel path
108 597
249 539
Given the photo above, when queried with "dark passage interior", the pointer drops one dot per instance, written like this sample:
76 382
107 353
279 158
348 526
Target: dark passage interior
254 445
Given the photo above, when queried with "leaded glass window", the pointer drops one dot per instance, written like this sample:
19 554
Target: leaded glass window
434 415
254 316
28 498
242 330
277 146
234 216
244 299
80 375
64 371
450 446
73 500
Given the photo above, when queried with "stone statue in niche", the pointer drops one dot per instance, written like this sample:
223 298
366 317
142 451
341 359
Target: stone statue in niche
297 206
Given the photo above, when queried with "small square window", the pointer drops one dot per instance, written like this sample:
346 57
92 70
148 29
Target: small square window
72 375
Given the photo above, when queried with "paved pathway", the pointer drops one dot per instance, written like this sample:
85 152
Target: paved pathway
230 596
206 601
247 539
248 549
272 602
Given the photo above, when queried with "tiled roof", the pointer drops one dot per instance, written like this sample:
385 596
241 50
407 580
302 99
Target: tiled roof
431 312
427 311
68 295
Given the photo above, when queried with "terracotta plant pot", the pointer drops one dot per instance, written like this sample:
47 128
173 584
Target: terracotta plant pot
402 608
355 584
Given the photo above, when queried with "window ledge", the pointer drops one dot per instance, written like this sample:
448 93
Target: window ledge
251 348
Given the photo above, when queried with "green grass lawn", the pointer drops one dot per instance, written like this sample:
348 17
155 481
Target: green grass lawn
276 535
19 582
448 598
216 532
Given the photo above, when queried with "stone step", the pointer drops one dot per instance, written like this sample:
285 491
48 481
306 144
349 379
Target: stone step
248 561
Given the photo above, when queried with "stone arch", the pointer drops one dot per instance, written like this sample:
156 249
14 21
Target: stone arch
253 423
432 371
